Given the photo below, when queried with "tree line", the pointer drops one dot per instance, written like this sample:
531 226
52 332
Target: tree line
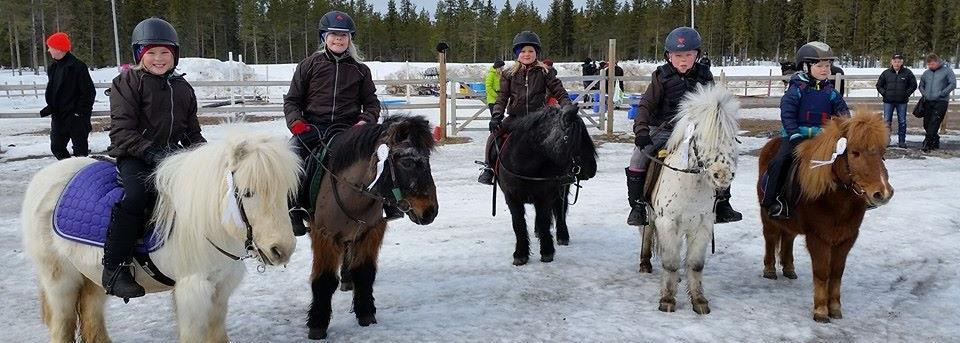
864 32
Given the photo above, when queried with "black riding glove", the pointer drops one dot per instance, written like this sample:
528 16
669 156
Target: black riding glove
495 123
642 141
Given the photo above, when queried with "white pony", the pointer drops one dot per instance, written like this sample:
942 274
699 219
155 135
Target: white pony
701 159
198 212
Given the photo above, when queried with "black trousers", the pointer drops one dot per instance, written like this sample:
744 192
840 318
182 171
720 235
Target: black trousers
69 128
139 193
935 112
777 170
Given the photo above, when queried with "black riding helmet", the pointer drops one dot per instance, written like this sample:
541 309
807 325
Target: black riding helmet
155 31
337 21
525 38
814 52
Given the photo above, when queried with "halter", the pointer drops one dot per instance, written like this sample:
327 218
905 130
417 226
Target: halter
250 247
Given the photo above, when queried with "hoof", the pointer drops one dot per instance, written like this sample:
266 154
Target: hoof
820 318
792 275
772 275
546 258
317 333
836 314
367 320
701 308
668 305
646 267
563 241
346 286
519 261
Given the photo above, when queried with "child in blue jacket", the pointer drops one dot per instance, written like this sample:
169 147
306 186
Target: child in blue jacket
808 103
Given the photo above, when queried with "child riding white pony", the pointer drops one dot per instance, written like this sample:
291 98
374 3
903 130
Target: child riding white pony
216 203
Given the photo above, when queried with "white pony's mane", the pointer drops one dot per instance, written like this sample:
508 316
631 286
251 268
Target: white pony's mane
712 109
191 184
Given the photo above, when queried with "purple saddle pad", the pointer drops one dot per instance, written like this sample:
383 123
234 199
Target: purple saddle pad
83 210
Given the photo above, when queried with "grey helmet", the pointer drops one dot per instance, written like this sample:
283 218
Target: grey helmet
154 31
814 52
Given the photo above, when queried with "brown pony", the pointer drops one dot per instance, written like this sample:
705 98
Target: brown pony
831 204
349 217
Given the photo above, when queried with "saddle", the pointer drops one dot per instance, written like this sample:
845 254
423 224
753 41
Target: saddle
653 173
82 213
313 170
790 191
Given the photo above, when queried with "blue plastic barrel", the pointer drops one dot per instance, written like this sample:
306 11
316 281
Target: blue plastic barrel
634 100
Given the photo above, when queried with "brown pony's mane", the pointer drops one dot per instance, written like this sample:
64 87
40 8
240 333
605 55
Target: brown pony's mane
864 131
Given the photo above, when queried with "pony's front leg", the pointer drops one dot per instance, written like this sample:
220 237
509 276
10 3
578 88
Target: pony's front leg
521 253
323 282
838 262
217 332
194 300
542 221
560 212
364 271
820 261
670 242
646 248
697 240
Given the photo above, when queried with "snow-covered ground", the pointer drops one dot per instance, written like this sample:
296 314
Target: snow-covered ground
454 281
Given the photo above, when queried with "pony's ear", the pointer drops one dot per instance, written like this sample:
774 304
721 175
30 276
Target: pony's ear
570 113
240 151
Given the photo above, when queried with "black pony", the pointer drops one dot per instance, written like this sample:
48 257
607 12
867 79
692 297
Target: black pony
544 154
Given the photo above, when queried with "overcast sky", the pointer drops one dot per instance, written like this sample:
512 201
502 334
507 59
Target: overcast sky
431 5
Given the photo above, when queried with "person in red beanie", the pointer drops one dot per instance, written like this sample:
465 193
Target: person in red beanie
70 95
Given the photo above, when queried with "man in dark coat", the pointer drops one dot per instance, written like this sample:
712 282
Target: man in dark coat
70 95
896 84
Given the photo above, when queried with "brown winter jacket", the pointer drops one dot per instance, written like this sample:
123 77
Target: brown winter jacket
659 102
326 91
526 90
149 110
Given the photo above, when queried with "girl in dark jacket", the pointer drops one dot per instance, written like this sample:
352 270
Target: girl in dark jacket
524 88
331 89
153 112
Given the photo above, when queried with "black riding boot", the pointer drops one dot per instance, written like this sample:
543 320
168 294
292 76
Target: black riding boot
486 176
638 207
297 217
122 234
725 212
391 212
